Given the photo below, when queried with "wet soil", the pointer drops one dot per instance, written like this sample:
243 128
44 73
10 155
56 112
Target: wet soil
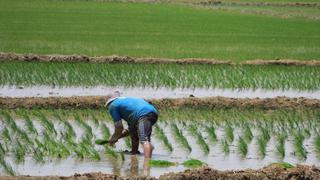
270 172
259 4
192 102
126 59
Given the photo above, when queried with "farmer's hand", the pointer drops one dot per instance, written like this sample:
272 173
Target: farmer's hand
125 133
111 142
115 139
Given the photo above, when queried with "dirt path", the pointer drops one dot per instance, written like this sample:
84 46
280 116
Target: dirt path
270 172
126 59
212 102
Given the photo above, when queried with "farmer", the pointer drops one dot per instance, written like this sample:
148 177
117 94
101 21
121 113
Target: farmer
140 116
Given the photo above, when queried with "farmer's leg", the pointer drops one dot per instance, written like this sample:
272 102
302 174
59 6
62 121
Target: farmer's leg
145 130
134 139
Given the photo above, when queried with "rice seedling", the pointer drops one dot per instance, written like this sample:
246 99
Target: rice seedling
37 152
212 134
299 148
229 133
194 132
70 133
85 126
10 122
280 145
63 151
2 150
262 146
49 145
247 133
19 152
105 131
24 136
161 135
91 74
317 145
225 146
29 124
242 147
85 148
7 167
193 163
161 163
5 135
13 126
180 138
49 127
52 147
283 165
265 134
306 133
95 120
111 152
94 154
127 141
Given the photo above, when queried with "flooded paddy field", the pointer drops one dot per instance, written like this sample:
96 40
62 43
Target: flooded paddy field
42 142
237 86
149 92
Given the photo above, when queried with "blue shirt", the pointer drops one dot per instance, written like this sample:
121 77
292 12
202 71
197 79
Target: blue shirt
130 109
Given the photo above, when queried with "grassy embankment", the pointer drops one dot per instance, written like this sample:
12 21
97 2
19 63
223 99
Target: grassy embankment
152 30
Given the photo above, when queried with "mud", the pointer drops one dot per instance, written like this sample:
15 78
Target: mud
86 176
272 4
125 59
193 102
270 172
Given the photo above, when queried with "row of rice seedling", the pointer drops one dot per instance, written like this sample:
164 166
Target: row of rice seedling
200 140
180 137
317 144
211 133
243 147
230 127
229 133
162 136
225 146
6 166
299 148
280 146
160 75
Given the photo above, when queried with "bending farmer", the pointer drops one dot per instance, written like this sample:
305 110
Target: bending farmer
140 116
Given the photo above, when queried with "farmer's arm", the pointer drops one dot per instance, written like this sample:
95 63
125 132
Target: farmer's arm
118 127
119 132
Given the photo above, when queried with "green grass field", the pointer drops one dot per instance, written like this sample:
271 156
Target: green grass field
152 30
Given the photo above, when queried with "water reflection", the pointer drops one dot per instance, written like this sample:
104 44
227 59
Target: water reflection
133 168
146 167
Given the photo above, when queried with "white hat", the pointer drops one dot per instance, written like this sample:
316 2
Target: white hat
112 97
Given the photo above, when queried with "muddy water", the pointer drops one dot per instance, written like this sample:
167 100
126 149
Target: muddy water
133 165
147 92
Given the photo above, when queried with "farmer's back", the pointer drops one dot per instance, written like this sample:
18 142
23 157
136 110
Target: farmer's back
130 109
